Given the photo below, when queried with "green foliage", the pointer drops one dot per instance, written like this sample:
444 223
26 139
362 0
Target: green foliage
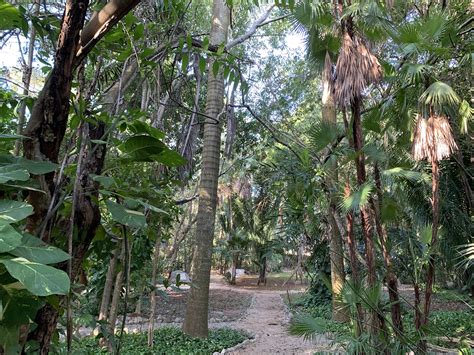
169 341
12 17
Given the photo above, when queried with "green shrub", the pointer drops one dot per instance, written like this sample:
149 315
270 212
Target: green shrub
168 340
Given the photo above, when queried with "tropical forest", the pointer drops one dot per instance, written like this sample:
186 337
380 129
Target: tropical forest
236 177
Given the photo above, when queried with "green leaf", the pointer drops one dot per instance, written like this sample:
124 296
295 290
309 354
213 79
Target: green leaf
425 234
205 43
140 127
215 67
142 147
358 198
439 94
105 181
202 65
465 115
35 250
13 173
8 137
130 218
9 238
170 158
37 167
184 62
39 279
11 17
14 211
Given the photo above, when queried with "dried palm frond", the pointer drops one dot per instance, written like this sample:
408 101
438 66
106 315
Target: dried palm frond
433 138
356 68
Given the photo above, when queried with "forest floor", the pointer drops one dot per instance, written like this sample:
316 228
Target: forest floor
258 310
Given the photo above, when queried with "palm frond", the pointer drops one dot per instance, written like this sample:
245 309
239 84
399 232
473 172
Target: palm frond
439 94
415 73
356 68
358 198
307 326
433 139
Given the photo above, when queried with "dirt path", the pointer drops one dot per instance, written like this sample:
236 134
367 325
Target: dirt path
266 319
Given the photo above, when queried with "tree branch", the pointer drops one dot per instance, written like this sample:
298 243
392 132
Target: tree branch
253 28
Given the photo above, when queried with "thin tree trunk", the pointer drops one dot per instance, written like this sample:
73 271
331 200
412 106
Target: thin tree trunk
196 319
430 276
233 272
364 211
113 313
109 283
391 277
154 271
26 77
262 273
351 243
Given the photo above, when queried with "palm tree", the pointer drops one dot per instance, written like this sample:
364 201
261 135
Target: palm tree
196 319
434 141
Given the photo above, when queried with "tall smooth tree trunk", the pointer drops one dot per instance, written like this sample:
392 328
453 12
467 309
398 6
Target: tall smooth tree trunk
154 271
336 251
196 319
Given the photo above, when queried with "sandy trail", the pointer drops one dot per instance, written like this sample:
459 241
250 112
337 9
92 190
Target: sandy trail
267 320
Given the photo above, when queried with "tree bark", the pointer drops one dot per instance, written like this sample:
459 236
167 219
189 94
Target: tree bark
364 211
336 252
26 77
108 286
196 319
262 273
48 121
391 277
351 243
154 270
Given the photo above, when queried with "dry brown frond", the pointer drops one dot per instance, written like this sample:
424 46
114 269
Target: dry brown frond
433 138
356 68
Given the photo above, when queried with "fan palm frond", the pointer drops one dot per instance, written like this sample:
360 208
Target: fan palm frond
415 73
307 326
439 94
358 198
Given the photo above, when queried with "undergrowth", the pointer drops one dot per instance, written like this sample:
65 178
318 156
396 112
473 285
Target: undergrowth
167 340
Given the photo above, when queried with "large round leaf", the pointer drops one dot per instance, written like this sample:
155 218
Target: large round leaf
34 249
125 216
14 211
39 279
9 238
13 173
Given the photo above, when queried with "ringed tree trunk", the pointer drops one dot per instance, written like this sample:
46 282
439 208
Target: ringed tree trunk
336 251
196 318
